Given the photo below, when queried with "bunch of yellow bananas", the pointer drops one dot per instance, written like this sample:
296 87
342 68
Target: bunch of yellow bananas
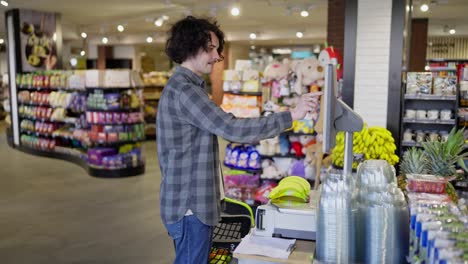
373 143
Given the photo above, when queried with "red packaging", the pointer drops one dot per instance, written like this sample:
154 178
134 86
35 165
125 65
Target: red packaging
112 137
426 183
102 137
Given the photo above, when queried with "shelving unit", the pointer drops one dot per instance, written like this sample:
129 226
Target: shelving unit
58 122
151 96
414 126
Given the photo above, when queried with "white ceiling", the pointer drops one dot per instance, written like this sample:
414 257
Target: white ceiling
274 21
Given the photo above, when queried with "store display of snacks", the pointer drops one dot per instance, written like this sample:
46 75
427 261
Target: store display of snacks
53 117
128 156
38 143
114 117
116 133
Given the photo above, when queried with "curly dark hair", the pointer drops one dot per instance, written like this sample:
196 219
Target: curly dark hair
188 35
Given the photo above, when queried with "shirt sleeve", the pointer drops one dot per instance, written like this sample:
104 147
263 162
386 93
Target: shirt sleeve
198 110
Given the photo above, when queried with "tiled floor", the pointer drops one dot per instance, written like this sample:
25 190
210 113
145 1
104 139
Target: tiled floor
51 211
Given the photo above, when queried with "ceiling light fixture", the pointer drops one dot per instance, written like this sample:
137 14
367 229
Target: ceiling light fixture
252 47
4 3
304 13
452 31
299 34
424 7
84 35
149 39
253 36
82 53
235 11
158 22
2 41
120 28
105 40
165 18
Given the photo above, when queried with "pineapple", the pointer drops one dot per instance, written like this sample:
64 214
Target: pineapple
441 157
413 161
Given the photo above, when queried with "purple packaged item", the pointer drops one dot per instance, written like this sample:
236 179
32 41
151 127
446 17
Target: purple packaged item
113 101
116 117
109 118
96 155
124 118
101 118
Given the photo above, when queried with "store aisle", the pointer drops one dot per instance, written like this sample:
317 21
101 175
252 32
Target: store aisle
51 211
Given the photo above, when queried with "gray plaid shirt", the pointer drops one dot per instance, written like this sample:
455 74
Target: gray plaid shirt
188 124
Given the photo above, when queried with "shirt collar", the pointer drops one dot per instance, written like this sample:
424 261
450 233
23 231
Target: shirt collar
191 76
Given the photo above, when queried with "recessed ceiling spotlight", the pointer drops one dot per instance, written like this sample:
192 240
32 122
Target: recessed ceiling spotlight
4 3
2 41
304 13
82 53
149 39
452 31
84 35
253 36
235 11
105 40
424 7
158 22
120 28
299 34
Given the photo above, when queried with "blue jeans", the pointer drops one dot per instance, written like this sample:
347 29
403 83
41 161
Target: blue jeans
192 240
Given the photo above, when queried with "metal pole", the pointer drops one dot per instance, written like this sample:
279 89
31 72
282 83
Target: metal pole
348 154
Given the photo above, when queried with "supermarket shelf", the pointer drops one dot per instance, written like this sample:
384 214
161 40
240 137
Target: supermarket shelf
244 93
115 144
431 69
154 86
292 133
151 98
70 121
446 60
115 124
111 89
430 97
116 173
37 134
246 170
49 106
113 110
282 156
410 144
432 122
96 172
34 104
23 88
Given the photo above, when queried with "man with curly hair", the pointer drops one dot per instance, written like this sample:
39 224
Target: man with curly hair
188 124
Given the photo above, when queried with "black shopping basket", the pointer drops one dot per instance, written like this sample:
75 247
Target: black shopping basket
236 221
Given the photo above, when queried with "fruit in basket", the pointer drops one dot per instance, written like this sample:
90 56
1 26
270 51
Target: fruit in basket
219 255
373 143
